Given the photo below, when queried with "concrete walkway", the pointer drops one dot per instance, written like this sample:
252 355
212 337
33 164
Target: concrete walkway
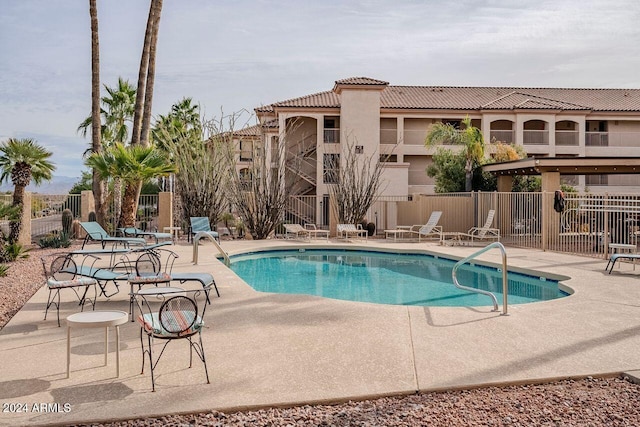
267 349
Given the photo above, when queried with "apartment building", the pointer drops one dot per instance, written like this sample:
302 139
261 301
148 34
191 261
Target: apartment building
376 118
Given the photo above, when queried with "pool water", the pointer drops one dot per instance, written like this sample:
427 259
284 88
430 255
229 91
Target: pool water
384 278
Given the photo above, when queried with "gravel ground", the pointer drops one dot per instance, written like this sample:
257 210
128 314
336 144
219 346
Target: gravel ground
585 402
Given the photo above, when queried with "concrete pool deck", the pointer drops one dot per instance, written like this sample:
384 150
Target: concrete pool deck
282 350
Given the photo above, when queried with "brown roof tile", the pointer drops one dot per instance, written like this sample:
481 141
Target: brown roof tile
361 81
328 99
477 98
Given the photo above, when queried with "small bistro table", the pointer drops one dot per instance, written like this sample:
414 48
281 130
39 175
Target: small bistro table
97 319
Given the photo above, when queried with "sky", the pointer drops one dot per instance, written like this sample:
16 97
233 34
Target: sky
234 55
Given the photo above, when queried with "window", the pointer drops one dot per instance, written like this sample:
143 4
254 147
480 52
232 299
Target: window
331 167
246 150
331 130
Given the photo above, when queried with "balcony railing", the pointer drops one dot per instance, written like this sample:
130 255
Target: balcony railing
596 139
535 137
331 136
505 136
388 136
567 137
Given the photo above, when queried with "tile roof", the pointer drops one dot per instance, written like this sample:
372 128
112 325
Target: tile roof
361 81
477 98
256 130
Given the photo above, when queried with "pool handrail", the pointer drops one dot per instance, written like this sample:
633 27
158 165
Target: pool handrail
196 240
505 283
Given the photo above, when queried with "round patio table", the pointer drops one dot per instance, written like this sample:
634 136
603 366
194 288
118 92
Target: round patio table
97 319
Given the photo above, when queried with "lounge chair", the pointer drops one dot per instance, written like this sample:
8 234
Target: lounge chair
96 233
349 230
295 231
615 257
482 233
431 228
315 232
201 223
136 232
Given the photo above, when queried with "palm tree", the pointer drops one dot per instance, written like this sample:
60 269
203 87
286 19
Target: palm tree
117 114
470 137
23 160
144 94
132 164
97 186
146 76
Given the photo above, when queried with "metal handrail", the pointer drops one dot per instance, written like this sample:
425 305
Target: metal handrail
480 291
196 239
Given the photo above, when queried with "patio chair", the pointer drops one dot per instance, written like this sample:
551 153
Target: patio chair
118 269
431 228
95 232
60 273
348 230
136 232
169 317
315 231
201 223
482 233
295 231
162 264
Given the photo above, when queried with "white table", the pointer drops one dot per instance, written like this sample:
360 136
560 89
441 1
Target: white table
97 319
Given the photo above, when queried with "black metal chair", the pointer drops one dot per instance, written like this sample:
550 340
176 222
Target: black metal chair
180 316
165 260
148 271
60 272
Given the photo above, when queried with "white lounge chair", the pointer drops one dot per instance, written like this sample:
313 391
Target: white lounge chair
349 230
315 232
295 231
482 233
430 229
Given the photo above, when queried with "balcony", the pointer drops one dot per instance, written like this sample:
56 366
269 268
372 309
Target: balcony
504 136
388 136
535 137
612 139
567 138
331 136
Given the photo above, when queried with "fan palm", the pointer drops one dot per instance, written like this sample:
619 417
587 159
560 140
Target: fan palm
116 115
470 137
23 160
133 165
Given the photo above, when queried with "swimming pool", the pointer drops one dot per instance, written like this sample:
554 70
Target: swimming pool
384 278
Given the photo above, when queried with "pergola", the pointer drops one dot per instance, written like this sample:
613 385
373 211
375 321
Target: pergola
550 168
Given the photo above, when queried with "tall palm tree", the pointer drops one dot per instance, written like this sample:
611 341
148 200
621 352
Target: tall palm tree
97 186
23 160
116 115
142 115
144 95
470 137
132 164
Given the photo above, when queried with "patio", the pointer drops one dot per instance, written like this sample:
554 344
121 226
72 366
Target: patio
282 350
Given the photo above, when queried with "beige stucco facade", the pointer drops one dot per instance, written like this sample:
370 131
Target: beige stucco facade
375 118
